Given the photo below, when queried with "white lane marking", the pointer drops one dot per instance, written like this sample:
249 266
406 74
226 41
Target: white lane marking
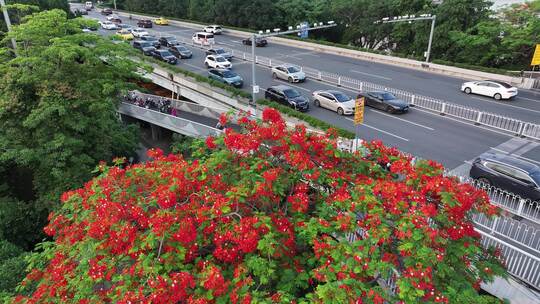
280 55
398 118
224 43
515 155
193 66
530 99
382 131
312 53
371 75
291 85
505 104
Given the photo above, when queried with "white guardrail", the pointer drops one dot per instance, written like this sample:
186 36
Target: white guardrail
478 117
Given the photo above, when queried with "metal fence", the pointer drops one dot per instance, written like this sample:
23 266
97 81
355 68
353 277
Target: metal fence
518 232
519 263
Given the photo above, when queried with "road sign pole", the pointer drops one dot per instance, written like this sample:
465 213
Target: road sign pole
430 38
8 24
253 69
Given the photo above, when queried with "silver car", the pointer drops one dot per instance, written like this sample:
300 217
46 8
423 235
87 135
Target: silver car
290 73
335 101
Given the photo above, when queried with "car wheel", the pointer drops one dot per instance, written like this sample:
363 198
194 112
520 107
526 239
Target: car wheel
274 75
389 109
485 181
468 90
340 111
290 80
317 103
497 96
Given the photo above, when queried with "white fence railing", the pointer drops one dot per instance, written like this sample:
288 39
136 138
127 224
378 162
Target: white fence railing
521 233
499 122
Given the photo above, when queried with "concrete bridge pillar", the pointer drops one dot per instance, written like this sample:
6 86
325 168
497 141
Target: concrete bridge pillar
156 132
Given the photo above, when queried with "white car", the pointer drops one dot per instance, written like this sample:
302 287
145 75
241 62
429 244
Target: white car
491 88
139 32
335 101
217 62
214 29
112 16
287 72
107 25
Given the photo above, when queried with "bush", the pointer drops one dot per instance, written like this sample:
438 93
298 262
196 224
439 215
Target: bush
12 271
8 250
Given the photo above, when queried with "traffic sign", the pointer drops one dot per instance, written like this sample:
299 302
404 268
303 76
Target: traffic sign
359 111
256 89
536 57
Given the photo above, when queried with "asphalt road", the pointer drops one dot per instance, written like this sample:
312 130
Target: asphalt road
451 142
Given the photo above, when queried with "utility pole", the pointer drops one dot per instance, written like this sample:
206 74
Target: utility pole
430 38
254 87
8 24
410 19
114 3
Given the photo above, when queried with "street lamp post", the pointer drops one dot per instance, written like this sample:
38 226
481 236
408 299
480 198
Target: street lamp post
411 18
8 24
277 32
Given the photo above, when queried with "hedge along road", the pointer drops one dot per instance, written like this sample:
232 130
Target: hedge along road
525 107
423 134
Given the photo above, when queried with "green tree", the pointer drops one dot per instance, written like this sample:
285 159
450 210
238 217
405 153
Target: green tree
57 103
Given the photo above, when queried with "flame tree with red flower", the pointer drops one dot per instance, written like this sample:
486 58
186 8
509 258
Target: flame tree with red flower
267 215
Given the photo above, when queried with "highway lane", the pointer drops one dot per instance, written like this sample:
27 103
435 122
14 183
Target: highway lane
423 134
525 107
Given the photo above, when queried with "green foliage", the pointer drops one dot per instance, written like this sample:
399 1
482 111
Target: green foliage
59 125
12 271
185 145
21 223
8 250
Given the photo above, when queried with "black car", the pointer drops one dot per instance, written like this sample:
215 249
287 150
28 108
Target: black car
221 52
164 55
106 11
180 51
145 46
258 41
287 96
385 101
78 12
509 173
151 39
168 41
145 23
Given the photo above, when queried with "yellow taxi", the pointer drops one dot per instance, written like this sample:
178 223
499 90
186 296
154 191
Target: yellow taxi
161 21
125 34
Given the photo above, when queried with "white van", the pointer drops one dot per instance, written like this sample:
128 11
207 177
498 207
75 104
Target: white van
88 5
203 38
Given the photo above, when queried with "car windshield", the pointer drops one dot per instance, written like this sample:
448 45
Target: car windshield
229 74
388 96
291 93
220 59
536 177
182 49
293 69
145 44
150 38
342 97
166 54
220 51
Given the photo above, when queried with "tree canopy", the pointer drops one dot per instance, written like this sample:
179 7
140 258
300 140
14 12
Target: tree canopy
57 121
267 215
